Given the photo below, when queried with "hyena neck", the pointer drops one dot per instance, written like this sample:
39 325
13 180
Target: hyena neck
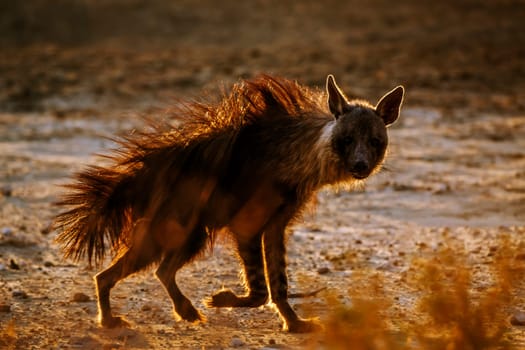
313 164
319 165
327 162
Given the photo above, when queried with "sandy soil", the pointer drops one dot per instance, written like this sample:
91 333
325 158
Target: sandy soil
70 74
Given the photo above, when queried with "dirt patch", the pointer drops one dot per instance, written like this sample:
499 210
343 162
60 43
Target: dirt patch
72 73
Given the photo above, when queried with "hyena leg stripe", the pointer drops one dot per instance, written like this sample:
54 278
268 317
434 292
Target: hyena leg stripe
252 258
274 251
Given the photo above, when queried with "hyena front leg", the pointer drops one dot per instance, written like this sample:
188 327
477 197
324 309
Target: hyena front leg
274 254
250 252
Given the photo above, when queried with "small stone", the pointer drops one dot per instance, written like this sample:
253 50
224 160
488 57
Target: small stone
13 265
492 250
520 256
323 270
7 231
272 342
20 294
5 307
441 189
2 267
46 229
48 264
80 298
146 307
518 319
7 191
236 342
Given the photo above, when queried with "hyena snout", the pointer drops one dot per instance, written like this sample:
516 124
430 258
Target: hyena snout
360 163
361 169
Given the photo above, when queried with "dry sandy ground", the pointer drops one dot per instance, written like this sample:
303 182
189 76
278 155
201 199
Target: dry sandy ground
456 170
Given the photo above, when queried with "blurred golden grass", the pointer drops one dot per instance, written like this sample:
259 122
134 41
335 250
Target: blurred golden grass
450 312
8 335
362 324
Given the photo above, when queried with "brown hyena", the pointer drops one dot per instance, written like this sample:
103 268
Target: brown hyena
245 166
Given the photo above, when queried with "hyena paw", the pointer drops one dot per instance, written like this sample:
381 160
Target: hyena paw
190 314
224 298
304 326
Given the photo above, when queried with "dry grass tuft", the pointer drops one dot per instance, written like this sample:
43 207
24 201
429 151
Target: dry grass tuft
450 311
457 317
363 324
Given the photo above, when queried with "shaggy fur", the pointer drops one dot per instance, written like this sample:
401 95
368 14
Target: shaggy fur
246 165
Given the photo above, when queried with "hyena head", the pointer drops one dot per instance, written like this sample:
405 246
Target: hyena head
359 134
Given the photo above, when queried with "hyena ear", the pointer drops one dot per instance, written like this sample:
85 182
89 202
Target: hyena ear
337 101
390 104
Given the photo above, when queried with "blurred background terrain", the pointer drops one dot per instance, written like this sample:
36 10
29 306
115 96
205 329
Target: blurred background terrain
72 71
448 54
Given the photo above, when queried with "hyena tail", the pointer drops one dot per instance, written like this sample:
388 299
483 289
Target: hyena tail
99 210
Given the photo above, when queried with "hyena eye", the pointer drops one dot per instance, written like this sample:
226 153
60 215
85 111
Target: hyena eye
375 142
348 140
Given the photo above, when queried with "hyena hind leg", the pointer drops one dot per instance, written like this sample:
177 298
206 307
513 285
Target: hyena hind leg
251 256
134 260
168 268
